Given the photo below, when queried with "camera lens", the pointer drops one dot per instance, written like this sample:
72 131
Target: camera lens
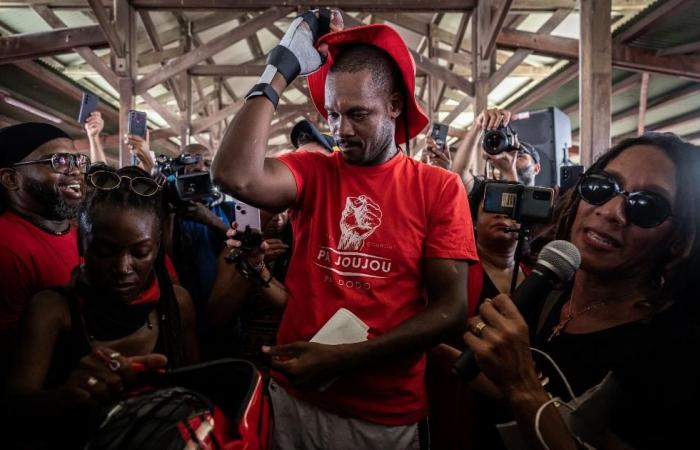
493 142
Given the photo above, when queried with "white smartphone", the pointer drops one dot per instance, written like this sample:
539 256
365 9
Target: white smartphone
247 215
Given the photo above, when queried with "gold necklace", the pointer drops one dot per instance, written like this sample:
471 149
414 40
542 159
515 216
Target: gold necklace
571 315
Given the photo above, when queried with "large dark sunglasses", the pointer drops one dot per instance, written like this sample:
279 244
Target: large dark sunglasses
108 181
62 162
645 209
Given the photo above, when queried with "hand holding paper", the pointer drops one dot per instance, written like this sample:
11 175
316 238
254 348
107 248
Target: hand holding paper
310 364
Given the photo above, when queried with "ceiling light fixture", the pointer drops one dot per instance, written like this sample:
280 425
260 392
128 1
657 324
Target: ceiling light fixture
30 109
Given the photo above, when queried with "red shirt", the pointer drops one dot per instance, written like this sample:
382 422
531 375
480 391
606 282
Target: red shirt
31 260
360 235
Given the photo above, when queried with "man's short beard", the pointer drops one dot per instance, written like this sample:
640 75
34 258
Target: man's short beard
527 175
55 205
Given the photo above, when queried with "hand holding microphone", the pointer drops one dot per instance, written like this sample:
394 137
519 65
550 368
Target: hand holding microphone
557 262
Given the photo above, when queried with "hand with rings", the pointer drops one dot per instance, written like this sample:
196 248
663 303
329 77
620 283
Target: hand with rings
478 328
503 352
113 363
103 374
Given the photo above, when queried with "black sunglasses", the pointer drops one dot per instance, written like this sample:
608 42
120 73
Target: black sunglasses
62 162
645 209
107 181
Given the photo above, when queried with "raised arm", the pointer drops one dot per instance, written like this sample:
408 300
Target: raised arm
93 127
240 167
464 149
505 162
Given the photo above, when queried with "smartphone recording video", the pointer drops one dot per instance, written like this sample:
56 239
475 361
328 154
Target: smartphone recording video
439 134
137 123
87 105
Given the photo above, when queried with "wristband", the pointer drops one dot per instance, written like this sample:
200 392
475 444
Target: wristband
265 90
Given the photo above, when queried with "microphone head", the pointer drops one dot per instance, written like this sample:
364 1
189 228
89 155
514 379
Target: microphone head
561 257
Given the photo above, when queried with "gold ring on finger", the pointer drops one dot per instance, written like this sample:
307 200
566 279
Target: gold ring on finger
479 328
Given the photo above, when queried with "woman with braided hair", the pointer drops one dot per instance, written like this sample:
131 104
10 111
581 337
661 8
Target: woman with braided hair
77 340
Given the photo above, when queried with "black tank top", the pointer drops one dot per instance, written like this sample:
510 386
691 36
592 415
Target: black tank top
74 344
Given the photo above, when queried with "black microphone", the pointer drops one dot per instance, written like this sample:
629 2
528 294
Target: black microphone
557 262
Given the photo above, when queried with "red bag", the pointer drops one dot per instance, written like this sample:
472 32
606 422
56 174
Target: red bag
213 405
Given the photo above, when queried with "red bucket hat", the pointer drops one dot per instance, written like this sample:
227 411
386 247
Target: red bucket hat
389 40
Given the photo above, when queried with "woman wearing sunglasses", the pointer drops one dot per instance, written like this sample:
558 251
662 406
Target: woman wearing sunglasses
120 298
626 324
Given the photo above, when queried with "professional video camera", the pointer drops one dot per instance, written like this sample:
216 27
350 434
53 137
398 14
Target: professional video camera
181 188
499 140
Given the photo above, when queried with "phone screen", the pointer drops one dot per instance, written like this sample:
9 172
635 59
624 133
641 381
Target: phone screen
439 133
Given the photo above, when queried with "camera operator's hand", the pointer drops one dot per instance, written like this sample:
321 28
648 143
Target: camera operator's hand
201 213
436 155
268 251
490 119
273 249
505 162
141 148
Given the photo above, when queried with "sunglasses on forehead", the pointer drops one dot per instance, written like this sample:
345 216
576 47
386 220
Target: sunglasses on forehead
646 209
108 181
62 162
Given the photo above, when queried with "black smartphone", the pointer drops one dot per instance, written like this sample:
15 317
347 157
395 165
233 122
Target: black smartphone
526 204
439 134
137 123
569 176
87 105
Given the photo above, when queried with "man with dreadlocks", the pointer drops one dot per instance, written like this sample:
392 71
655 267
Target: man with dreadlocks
121 298
375 232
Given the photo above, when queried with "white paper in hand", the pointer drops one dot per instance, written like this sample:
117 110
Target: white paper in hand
343 327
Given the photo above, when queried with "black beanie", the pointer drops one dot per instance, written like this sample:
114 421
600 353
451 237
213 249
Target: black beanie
18 141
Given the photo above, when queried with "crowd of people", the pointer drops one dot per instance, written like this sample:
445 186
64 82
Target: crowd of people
375 272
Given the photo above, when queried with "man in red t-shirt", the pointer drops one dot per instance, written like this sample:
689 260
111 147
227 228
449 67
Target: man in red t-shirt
42 184
375 232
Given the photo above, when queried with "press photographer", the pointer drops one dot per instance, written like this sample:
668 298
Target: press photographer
199 224
499 145
182 189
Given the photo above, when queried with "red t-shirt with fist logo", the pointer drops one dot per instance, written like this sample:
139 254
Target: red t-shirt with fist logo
360 234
